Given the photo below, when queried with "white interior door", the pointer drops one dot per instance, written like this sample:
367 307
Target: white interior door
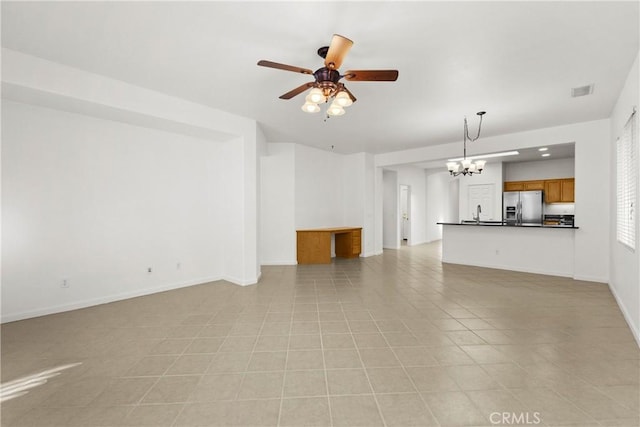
481 195
405 225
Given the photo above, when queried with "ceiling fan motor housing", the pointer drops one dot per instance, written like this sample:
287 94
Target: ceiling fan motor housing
327 80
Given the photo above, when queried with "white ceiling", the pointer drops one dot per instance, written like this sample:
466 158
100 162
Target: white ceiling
516 60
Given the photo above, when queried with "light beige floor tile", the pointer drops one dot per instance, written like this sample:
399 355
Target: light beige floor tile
190 364
312 411
205 345
360 411
454 409
342 359
169 346
305 360
125 391
300 328
471 377
406 409
239 413
304 342
553 345
338 341
229 362
348 381
98 416
237 344
390 380
267 361
153 415
152 366
431 379
217 387
174 389
334 327
378 357
261 385
415 356
305 383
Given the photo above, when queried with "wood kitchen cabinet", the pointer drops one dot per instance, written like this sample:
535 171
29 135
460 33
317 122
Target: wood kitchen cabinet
523 185
533 185
559 190
514 186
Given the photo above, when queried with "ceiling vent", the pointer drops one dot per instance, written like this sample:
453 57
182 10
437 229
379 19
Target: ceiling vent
582 91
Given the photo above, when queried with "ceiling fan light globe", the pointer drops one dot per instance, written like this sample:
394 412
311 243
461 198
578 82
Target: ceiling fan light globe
315 96
343 99
310 107
335 110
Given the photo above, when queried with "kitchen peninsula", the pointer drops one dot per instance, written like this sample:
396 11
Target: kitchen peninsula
541 249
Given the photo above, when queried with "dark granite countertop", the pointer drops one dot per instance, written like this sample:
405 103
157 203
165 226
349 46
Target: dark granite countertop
501 224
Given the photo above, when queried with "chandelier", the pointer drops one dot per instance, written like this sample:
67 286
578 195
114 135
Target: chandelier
467 166
339 93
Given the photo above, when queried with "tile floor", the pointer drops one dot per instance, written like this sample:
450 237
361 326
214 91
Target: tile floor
392 340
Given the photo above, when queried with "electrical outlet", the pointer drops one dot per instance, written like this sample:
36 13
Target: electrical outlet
149 270
497 252
178 266
64 283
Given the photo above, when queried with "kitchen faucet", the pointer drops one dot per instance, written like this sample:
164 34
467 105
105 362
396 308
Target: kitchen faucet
477 217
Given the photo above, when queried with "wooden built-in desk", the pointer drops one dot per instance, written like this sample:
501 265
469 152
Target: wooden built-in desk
314 245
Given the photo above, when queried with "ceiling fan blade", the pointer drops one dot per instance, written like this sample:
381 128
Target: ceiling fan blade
286 67
371 75
338 49
297 90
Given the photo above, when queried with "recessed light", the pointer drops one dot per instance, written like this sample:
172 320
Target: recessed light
546 155
543 149
486 156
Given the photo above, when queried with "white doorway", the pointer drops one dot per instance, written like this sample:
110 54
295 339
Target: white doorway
481 198
405 210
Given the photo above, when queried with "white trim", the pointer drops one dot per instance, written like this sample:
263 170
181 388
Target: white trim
625 314
276 263
106 299
592 279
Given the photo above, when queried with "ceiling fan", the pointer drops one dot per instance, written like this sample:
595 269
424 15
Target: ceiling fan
326 84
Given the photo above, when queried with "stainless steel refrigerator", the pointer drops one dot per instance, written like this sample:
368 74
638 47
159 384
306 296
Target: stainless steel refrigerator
522 207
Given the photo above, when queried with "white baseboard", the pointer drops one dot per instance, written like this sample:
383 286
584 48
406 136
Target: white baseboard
12 317
512 268
276 263
625 314
592 279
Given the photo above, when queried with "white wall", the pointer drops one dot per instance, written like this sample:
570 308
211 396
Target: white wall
115 106
390 210
278 205
541 169
438 203
97 202
528 249
625 264
318 188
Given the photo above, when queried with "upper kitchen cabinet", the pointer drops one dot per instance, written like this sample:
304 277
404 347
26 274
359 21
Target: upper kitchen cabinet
559 190
524 185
